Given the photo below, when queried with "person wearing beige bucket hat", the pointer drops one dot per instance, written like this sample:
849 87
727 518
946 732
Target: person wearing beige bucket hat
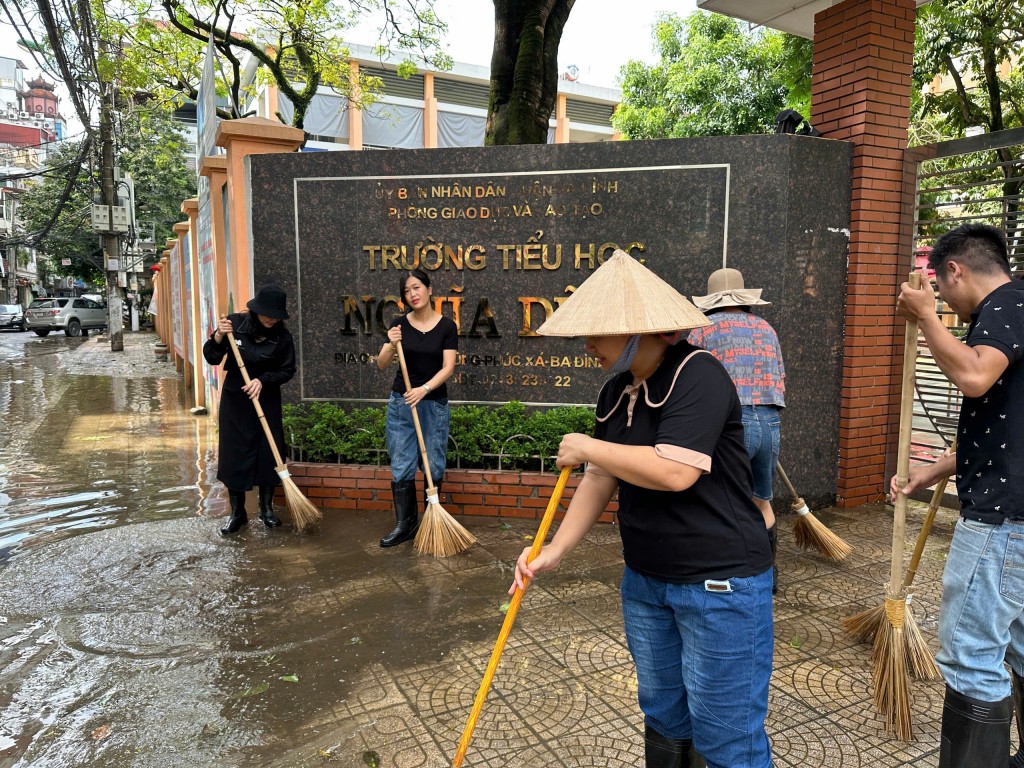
748 347
696 586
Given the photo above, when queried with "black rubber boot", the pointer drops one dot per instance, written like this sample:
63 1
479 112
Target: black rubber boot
267 515
1017 761
663 752
407 519
239 519
975 733
773 539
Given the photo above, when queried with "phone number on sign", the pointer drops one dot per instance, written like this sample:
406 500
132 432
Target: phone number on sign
512 379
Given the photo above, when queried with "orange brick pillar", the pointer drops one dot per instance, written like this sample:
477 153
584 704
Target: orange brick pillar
215 168
429 111
860 92
181 307
561 119
197 333
163 308
355 114
241 138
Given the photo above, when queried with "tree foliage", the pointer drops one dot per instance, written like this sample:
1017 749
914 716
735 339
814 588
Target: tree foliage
524 69
971 48
713 78
152 150
969 42
297 44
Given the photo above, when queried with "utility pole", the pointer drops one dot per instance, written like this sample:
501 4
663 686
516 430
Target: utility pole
111 243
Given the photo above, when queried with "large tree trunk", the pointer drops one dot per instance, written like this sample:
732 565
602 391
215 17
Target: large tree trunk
524 69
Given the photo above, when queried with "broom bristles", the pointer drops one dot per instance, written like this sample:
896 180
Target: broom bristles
919 655
305 515
890 678
441 535
863 626
809 531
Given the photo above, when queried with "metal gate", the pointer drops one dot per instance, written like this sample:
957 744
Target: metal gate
978 179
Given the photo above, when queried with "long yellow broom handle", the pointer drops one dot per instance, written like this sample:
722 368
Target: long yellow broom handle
899 519
510 616
926 527
415 417
255 401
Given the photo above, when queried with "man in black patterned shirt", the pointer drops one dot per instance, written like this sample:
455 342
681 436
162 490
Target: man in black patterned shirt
982 616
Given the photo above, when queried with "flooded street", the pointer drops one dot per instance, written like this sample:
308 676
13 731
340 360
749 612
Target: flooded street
80 452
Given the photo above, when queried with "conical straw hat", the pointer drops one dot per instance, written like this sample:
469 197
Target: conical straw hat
623 297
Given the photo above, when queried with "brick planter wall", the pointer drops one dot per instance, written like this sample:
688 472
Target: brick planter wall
483 492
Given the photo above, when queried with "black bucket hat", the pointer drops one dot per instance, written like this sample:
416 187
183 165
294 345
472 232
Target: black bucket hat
270 301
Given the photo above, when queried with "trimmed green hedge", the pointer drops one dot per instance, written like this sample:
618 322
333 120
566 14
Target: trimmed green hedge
326 432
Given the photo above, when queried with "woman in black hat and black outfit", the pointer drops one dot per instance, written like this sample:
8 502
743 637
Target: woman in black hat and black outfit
244 456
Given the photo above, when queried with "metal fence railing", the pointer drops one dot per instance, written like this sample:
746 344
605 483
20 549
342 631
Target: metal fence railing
978 179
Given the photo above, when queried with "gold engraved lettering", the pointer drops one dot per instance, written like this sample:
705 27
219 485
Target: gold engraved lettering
588 256
527 302
454 301
506 251
373 251
485 315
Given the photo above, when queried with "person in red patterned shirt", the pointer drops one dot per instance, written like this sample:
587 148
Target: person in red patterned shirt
749 349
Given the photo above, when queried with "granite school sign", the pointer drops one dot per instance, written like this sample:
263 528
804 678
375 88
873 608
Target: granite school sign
506 234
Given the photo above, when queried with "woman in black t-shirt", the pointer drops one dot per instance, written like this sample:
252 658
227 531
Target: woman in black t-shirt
430 342
696 588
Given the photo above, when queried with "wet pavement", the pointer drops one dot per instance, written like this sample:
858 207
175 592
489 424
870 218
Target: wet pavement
132 634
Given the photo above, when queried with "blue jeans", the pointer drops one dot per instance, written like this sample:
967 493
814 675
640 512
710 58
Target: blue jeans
703 662
982 616
761 436
400 435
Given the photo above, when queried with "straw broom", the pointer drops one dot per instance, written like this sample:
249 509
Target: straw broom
440 534
890 678
510 616
304 514
808 530
864 626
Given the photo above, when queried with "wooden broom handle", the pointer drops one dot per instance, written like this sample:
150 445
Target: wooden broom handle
899 519
926 527
255 400
415 419
798 502
510 616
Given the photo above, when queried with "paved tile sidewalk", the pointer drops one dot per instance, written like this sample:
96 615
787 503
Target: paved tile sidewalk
564 694
95 358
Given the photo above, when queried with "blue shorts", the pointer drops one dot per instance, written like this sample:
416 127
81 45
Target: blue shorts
761 434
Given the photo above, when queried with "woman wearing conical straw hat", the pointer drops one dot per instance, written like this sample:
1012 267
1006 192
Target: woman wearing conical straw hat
697 583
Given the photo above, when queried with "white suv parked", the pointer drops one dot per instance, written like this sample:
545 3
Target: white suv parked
74 316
